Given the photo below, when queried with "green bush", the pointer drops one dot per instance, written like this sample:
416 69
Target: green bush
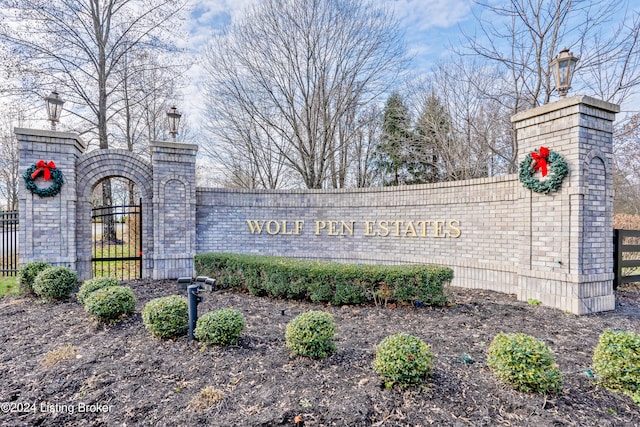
166 317
219 327
55 283
403 359
524 362
92 285
311 334
332 282
28 273
616 361
110 303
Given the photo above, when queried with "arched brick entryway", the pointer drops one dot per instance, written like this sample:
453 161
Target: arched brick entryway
92 168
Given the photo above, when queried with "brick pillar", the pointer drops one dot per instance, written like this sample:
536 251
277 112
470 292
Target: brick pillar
567 256
174 209
47 224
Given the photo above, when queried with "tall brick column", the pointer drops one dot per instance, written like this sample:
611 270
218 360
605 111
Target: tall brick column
174 209
567 254
44 232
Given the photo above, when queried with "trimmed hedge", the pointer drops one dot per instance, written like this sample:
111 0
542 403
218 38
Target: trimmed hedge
616 362
55 283
166 317
404 360
524 362
220 327
311 334
92 285
110 304
319 281
28 273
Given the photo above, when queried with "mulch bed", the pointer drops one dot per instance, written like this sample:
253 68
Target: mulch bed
121 376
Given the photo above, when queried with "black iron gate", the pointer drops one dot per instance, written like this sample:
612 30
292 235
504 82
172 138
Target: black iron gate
117 241
9 228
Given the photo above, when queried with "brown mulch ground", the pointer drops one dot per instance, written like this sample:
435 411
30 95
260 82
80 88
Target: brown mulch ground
121 376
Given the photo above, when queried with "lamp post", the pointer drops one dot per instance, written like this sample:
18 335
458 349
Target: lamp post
54 108
173 119
563 67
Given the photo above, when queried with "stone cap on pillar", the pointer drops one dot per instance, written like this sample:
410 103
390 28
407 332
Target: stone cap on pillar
181 146
567 103
51 136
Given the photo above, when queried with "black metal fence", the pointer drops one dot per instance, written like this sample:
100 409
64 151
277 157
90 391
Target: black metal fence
9 227
626 256
117 241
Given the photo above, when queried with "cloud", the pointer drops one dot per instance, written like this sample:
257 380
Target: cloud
421 15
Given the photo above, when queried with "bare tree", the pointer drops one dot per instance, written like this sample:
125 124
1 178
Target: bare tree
362 170
524 37
146 92
299 71
519 39
81 47
626 176
462 132
10 177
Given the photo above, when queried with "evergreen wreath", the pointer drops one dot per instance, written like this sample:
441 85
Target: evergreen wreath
50 172
540 159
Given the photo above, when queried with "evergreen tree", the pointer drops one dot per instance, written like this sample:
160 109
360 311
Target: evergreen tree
396 134
432 130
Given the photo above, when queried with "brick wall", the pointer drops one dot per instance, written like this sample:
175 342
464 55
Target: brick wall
473 225
495 234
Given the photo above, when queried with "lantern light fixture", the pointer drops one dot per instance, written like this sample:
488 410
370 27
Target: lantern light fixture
173 119
54 108
563 66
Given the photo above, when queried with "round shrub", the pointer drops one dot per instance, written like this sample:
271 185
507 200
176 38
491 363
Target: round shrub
616 361
403 359
220 327
110 303
55 283
92 285
28 273
166 317
524 362
311 334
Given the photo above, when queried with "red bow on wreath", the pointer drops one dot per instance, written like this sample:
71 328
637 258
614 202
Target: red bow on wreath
44 166
541 160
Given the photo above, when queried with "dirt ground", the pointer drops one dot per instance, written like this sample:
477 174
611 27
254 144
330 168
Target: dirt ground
121 376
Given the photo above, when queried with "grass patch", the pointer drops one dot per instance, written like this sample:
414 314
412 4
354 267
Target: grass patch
206 398
9 286
122 269
57 355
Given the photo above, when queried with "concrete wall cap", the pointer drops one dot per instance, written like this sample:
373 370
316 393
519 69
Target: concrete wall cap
50 134
565 103
174 145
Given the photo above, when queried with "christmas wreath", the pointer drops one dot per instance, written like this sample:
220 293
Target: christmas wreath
545 161
49 171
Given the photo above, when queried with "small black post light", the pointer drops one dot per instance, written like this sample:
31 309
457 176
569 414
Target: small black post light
183 282
563 66
194 288
192 300
173 119
54 108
